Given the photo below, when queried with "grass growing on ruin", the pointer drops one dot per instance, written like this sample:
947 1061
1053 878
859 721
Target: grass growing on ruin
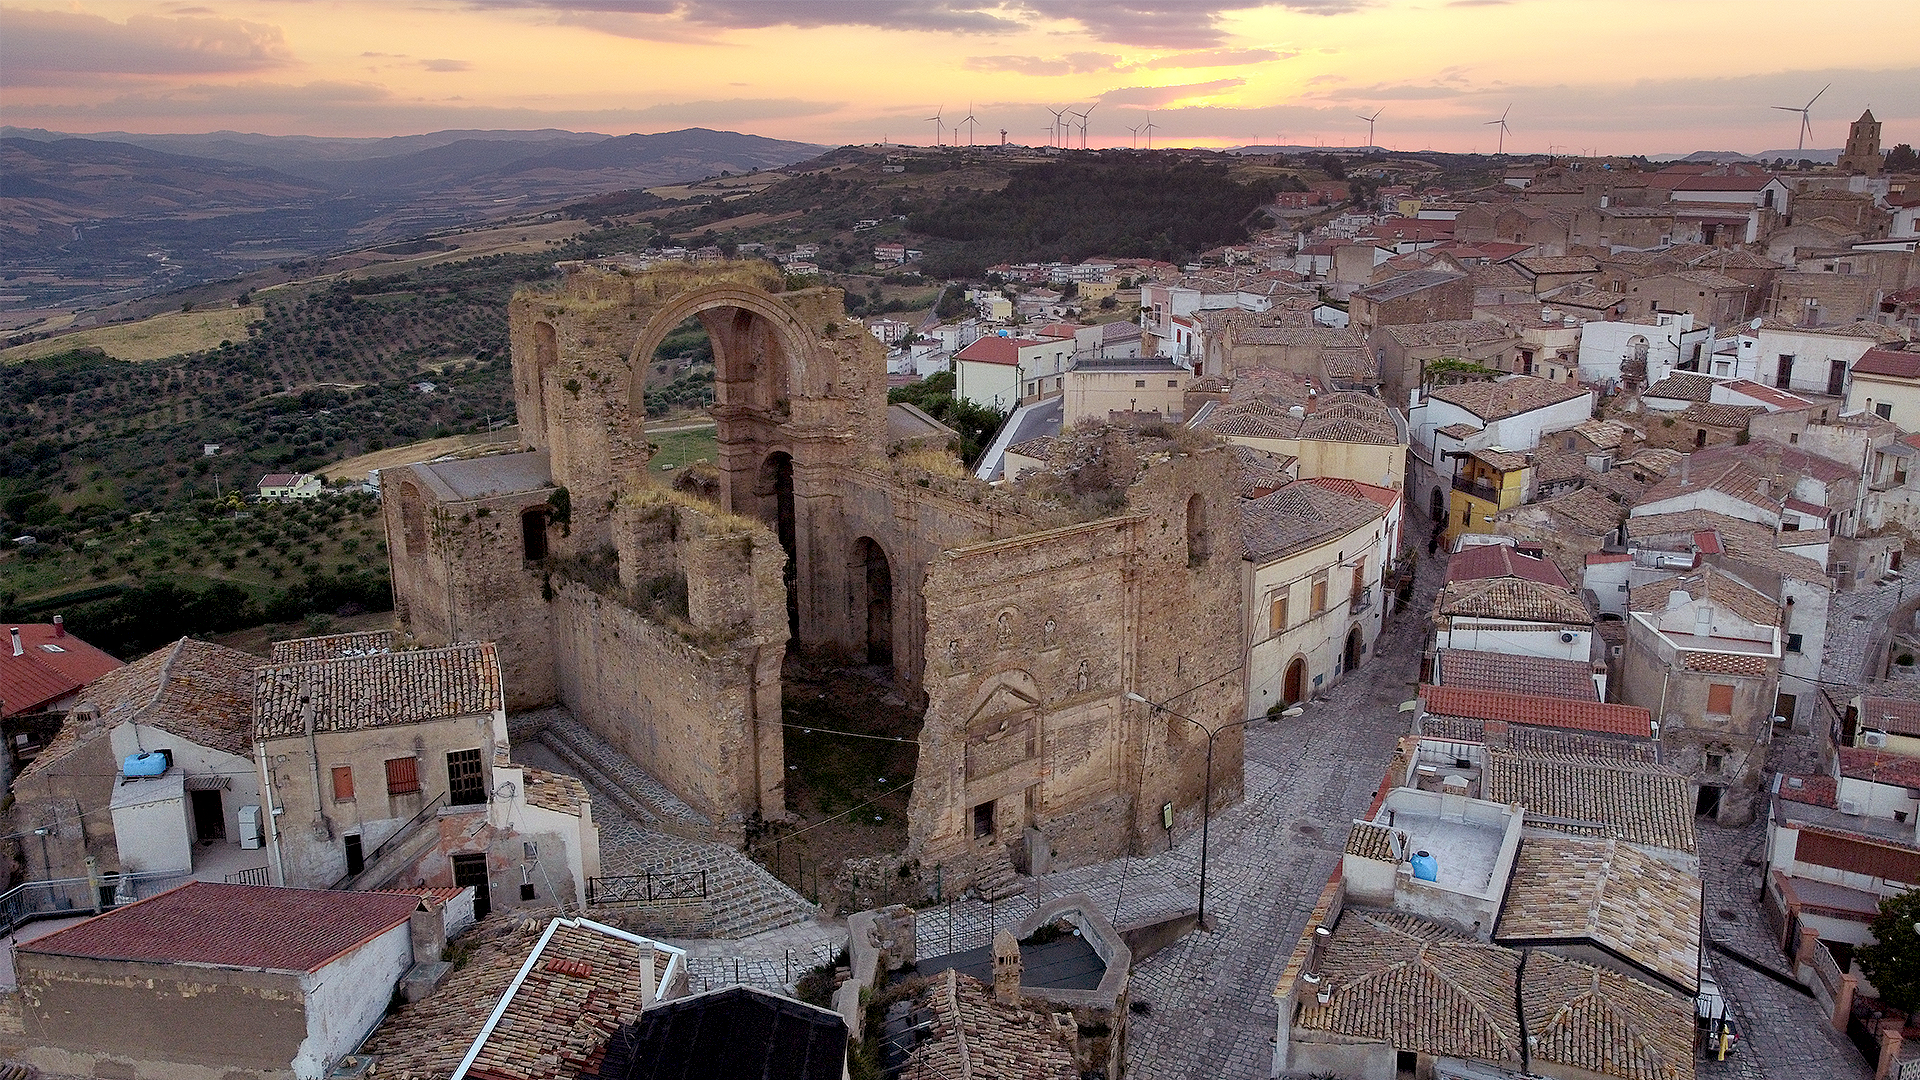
679 449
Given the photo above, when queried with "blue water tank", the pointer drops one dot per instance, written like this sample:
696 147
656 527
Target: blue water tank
1425 867
148 764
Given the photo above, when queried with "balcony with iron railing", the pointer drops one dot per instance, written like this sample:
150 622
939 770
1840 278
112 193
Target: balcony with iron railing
1479 489
1361 601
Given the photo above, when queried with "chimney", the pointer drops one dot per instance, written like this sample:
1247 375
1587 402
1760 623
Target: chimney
1686 469
1006 969
59 626
428 928
17 650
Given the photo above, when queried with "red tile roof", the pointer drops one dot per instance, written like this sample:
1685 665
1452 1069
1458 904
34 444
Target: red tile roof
1386 497
1538 711
1469 669
1812 790
998 350
1879 767
1723 183
1896 715
1499 560
42 675
253 926
1900 365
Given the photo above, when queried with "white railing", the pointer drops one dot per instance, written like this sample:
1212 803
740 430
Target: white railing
58 897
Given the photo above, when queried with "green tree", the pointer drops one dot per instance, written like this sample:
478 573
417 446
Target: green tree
1892 962
1902 159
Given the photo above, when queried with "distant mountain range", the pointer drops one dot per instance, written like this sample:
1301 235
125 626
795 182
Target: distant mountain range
1721 157
112 207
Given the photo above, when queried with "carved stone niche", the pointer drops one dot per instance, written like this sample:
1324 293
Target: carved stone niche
1003 731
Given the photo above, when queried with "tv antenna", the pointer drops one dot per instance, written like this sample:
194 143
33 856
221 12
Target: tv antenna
1370 120
1502 149
1806 121
935 121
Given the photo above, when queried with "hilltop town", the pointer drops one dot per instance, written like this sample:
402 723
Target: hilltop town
1459 631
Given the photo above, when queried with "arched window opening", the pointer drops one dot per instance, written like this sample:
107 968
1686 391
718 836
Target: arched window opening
533 533
1199 540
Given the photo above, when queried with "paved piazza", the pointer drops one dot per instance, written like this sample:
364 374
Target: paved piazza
1210 1010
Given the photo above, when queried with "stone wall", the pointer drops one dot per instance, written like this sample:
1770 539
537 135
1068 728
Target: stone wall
1035 640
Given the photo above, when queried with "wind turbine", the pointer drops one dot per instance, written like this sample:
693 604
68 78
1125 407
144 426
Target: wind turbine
1133 136
1053 132
1370 120
1806 122
1148 128
1083 123
969 122
935 119
1503 131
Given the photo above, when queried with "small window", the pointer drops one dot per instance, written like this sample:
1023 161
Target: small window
526 890
1319 595
343 783
1794 642
403 776
1716 763
1277 613
1720 699
983 821
465 784
1173 384
1140 384
1884 410
356 859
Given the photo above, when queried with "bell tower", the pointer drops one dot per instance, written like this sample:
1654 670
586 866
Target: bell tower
1862 155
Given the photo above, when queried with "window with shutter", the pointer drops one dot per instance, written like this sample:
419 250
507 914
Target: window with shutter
403 776
1277 613
465 784
1720 699
343 783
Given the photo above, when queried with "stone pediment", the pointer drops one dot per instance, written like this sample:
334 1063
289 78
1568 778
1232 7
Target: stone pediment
1004 700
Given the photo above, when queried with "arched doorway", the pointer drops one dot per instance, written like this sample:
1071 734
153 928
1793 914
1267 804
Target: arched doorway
1437 505
1355 646
1295 690
773 493
872 572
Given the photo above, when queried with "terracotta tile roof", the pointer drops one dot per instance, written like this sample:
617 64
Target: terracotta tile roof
1606 1024
1516 599
1738 539
1261 473
1595 798
1385 496
1722 589
556 791
1896 716
1885 335
1485 561
580 984
739 1032
378 690
1299 516
1812 790
1556 264
1417 986
1340 417
53 664
1878 766
1530 709
1508 397
1726 416
252 926
1404 285
1444 332
427 1039
1581 748
1681 386
1633 905
1369 841
1458 431
975 1036
1468 669
197 690
332 646
1768 395
1899 365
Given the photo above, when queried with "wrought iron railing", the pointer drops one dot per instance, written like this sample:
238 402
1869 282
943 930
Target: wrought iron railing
62 897
256 875
1477 489
647 888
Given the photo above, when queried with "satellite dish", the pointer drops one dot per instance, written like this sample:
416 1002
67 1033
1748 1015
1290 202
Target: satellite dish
1755 324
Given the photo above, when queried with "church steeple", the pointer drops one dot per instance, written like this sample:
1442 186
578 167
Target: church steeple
1862 154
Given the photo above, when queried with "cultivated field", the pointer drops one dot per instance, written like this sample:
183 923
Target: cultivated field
149 339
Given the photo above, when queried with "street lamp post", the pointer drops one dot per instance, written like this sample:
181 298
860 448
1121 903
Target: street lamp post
1206 798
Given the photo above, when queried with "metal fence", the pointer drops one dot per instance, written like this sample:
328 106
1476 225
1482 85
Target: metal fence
647 888
256 875
62 897
1827 970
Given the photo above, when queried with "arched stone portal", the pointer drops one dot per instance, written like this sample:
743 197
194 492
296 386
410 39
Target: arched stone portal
1295 690
1356 645
873 601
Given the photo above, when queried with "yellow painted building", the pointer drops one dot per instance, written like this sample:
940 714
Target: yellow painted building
1487 482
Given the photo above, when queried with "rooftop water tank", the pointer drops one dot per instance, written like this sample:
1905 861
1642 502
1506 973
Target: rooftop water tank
1425 867
148 764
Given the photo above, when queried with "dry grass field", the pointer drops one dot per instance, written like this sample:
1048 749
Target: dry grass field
357 468
149 339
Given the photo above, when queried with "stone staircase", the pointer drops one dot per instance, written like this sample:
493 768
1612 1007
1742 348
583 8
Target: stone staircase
743 899
994 877
644 800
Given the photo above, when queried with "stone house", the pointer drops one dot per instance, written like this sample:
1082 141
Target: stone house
1780 486
1839 841
1419 296
1402 352
191 704
1315 558
1703 654
1019 616
1448 423
1712 298
212 980
393 767
1347 436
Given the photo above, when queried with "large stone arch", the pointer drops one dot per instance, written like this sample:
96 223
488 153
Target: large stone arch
795 337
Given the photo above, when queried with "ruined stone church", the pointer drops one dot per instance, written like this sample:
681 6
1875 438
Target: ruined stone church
1019 615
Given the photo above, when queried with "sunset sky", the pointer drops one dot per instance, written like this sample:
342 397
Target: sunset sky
1613 76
